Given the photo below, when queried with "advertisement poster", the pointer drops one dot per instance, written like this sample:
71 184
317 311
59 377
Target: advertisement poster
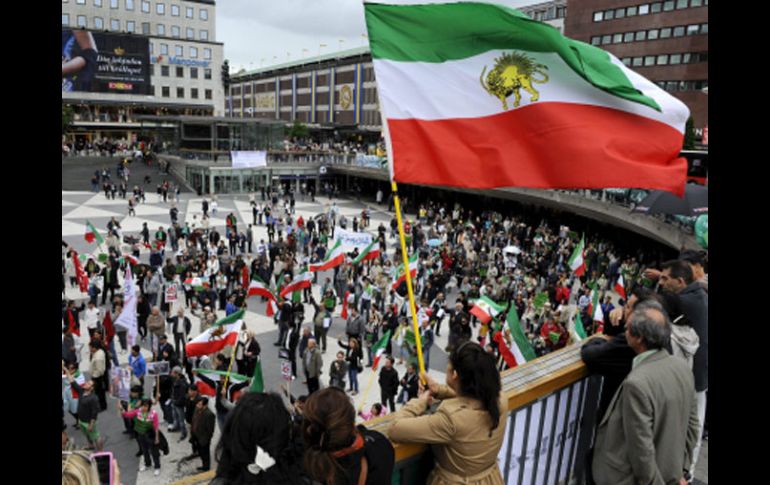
99 62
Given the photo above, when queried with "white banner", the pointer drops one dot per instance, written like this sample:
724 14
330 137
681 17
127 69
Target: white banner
250 159
350 239
127 317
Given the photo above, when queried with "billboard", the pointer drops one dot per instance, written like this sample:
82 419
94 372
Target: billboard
249 159
100 62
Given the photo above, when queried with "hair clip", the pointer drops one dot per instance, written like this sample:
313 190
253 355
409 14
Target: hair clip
262 461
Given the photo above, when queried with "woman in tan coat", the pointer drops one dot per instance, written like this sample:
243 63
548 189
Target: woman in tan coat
466 431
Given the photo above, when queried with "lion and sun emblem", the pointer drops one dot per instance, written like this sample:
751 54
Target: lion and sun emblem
513 71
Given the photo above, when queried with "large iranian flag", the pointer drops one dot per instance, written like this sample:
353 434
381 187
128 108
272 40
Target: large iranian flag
214 339
477 94
370 252
335 258
485 309
576 262
207 380
301 281
260 288
520 348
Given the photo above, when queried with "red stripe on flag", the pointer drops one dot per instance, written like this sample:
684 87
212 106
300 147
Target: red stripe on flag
504 351
613 148
203 348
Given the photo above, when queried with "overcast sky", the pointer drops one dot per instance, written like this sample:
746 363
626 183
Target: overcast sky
260 33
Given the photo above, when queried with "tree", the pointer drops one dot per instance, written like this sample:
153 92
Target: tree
67 114
689 135
298 130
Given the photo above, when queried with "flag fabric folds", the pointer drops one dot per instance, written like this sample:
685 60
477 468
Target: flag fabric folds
478 95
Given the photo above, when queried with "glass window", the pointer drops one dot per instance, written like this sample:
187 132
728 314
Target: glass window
194 93
193 73
193 52
675 59
683 86
644 9
164 71
627 61
114 24
652 34
668 5
65 19
206 53
146 28
609 14
166 91
680 4
203 14
208 94
179 50
620 13
130 5
146 7
114 3
687 58
665 32
649 61
598 16
207 74
617 38
97 3
174 10
637 61
82 21
160 8
190 32
561 12
631 11
175 32
98 23
662 59
161 29
655 7
679 31
179 71
130 26
189 12
628 37
152 49
606 39
164 49
180 92
204 34
640 36
693 29
696 3
671 86
81 2
704 28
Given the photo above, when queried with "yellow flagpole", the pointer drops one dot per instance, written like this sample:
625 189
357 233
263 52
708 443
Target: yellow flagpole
230 367
409 288
366 391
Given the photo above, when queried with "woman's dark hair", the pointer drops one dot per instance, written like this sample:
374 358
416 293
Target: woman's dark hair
146 402
479 378
259 419
328 426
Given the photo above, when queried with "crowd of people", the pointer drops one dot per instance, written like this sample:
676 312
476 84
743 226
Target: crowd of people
513 259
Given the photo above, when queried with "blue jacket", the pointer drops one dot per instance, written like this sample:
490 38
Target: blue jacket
138 365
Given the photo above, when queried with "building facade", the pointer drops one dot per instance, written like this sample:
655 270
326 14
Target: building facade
184 63
666 42
335 90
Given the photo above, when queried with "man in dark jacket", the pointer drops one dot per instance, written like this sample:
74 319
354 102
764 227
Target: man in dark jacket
388 384
109 275
410 384
677 277
180 328
193 396
456 325
202 430
178 401
355 326
71 316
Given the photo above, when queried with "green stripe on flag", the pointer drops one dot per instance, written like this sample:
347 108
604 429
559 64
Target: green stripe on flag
446 32
363 253
579 328
210 373
519 339
257 382
231 318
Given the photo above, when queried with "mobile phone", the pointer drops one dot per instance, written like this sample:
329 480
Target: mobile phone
103 460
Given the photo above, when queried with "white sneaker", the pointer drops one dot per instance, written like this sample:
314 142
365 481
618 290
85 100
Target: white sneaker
142 468
157 472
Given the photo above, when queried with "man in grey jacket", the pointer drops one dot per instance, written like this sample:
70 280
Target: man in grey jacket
151 286
677 277
312 362
649 432
355 326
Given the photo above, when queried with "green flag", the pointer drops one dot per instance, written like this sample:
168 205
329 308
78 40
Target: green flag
540 300
554 336
257 383
579 329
